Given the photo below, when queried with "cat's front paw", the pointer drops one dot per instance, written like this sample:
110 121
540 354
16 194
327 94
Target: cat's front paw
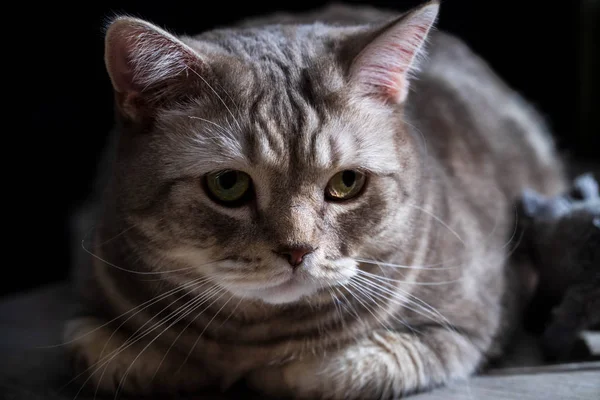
295 380
360 372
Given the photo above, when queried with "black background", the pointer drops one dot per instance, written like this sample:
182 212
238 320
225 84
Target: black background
61 99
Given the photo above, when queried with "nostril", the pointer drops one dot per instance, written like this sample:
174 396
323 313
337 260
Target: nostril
294 254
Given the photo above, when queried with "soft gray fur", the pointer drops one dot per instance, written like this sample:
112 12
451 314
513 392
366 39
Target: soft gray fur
409 284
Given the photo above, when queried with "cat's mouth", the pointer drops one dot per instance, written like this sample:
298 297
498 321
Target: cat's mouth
287 286
288 291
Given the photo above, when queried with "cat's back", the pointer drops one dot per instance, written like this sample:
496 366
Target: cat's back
477 125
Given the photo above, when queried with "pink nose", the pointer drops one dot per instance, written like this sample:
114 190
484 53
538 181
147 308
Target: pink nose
294 254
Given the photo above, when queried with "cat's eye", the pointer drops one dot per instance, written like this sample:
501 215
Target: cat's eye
229 187
345 185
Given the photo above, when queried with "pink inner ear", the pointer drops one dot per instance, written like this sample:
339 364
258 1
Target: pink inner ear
382 69
139 55
118 64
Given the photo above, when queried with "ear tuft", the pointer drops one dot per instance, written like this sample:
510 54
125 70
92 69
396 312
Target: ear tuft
139 55
383 67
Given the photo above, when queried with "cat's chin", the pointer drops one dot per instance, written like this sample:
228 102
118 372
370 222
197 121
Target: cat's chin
287 292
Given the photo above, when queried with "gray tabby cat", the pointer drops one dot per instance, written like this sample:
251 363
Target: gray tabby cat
290 208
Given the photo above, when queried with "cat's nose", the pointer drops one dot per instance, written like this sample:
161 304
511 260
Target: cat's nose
294 254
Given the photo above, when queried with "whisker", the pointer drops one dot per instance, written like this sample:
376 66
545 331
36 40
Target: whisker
393 290
231 313
394 299
424 306
445 225
99 364
128 343
430 312
422 136
145 305
132 337
208 122
219 97
177 338
364 305
205 328
365 293
201 297
189 311
415 283
441 263
143 272
338 309
431 267
348 305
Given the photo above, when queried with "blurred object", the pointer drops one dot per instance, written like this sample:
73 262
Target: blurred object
560 238
586 347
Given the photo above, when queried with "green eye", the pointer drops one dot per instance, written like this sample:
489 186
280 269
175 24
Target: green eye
228 187
345 185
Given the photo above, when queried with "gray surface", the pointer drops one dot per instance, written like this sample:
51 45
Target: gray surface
32 365
582 385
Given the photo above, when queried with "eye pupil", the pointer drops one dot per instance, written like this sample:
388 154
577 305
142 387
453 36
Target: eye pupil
228 179
344 185
348 177
228 187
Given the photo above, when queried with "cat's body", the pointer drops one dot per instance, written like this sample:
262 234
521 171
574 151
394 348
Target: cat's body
299 103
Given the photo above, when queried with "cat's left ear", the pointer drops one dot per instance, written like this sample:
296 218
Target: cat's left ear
382 69
148 66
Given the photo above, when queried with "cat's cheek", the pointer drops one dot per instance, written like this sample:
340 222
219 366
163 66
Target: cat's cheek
345 269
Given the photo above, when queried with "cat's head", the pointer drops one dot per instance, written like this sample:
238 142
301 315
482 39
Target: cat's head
265 159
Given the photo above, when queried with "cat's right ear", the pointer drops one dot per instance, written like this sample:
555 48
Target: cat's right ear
147 65
384 66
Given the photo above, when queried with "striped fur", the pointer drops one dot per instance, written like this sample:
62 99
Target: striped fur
411 284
